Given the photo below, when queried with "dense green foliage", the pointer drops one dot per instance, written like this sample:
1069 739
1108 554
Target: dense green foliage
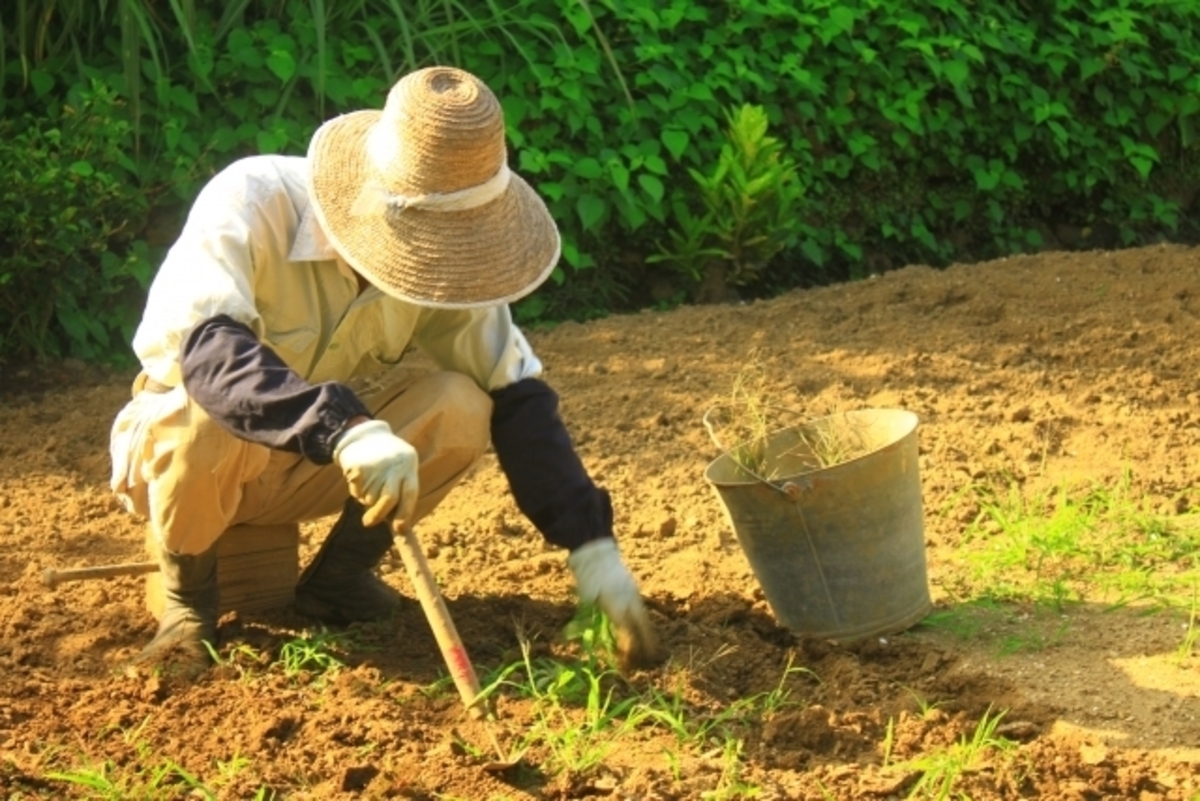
919 130
67 250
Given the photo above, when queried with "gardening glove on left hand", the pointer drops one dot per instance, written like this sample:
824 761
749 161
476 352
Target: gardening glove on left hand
601 578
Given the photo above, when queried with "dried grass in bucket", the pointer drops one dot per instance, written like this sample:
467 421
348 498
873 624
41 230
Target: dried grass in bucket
749 419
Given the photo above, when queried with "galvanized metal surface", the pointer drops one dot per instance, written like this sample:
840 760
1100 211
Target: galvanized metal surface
839 551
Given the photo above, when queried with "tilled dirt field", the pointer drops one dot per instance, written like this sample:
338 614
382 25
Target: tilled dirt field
1045 370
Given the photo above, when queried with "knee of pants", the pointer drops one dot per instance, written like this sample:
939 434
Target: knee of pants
195 478
191 444
445 416
466 408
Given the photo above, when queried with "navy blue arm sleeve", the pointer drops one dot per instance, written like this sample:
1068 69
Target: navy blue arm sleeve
249 391
548 480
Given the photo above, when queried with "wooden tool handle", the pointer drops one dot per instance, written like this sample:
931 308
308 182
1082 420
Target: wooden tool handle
453 652
52 578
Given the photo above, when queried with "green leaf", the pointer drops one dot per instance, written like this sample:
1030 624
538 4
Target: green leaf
1156 121
842 17
530 309
282 63
83 168
42 82
184 99
515 108
652 186
675 142
591 210
619 173
270 141
587 167
956 72
1060 133
851 249
631 212
813 251
655 164
74 322
575 258
1090 66
839 116
860 143
986 180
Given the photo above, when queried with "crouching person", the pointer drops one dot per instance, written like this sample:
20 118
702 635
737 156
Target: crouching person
297 277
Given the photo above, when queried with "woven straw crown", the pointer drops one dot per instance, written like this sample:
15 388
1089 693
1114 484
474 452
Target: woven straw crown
418 198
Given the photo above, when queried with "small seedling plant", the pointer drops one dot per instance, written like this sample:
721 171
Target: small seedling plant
577 710
941 771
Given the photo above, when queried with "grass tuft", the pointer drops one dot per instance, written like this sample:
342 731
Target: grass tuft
1095 543
942 770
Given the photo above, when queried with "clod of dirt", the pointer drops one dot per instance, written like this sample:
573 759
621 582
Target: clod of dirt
809 728
355 780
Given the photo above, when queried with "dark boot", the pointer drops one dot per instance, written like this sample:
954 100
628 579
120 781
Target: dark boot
189 618
338 587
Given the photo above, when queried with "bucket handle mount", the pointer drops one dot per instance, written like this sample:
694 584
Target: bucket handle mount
793 489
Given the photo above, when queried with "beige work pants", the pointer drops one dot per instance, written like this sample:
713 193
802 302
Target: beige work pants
191 479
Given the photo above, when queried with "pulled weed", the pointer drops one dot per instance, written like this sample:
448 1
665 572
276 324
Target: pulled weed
767 447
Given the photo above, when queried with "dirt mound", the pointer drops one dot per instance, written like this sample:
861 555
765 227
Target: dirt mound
1037 371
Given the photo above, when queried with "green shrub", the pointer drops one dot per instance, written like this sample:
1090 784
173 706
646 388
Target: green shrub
749 211
68 216
922 131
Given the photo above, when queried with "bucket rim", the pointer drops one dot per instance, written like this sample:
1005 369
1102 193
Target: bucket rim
911 421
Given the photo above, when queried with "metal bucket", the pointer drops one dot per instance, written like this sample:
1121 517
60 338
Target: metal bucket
840 550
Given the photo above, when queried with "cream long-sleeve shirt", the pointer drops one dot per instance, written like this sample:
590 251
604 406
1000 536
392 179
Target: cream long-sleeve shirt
252 250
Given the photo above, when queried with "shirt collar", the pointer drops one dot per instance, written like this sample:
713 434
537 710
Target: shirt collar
311 243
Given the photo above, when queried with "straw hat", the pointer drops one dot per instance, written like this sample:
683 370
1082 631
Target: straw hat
419 199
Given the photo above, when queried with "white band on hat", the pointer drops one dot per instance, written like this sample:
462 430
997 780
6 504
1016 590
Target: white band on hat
375 199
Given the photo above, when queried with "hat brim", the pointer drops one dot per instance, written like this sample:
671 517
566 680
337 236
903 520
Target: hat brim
491 254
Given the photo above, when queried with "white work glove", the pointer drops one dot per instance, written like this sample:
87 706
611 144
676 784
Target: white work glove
601 578
381 470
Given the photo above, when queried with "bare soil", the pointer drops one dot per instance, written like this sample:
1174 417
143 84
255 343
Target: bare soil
1060 367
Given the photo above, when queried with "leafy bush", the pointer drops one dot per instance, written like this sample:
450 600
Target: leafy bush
935 131
923 131
68 214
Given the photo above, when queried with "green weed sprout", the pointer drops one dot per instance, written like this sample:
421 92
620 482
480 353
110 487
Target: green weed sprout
731 785
1074 544
941 770
312 653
